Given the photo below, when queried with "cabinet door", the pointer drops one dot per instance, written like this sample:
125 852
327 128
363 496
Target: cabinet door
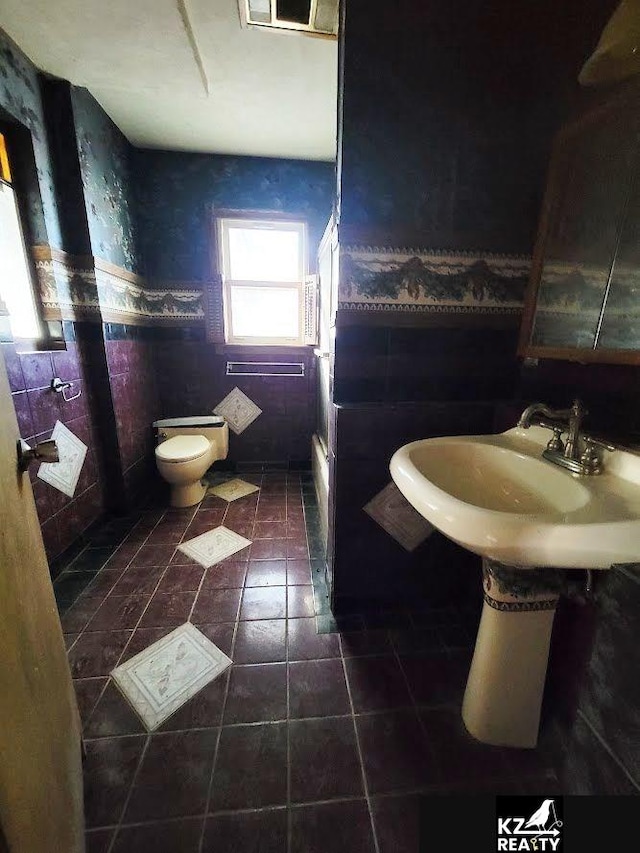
586 199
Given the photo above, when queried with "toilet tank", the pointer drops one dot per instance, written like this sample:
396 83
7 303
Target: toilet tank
213 427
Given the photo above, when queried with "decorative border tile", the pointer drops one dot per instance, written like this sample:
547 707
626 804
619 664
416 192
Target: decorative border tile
393 512
64 475
379 279
165 675
238 410
213 546
75 287
517 590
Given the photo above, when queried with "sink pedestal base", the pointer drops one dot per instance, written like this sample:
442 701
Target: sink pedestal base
503 697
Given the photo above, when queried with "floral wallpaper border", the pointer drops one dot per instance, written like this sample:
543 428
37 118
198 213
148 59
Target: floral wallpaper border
374 278
88 288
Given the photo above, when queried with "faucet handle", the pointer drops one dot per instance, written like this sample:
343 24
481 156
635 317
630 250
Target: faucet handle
556 443
590 440
591 458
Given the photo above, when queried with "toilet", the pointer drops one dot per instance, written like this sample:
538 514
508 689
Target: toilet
186 448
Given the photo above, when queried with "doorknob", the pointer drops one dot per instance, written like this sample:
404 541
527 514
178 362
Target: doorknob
44 451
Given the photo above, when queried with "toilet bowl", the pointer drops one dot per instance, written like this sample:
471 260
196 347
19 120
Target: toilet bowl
186 448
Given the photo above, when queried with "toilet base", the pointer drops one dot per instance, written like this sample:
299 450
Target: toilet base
182 496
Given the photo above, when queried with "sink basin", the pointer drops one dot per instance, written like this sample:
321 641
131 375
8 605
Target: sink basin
496 496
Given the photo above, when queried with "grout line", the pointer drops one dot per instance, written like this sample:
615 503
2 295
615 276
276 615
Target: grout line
250 810
206 568
252 723
414 704
129 793
217 747
241 725
360 758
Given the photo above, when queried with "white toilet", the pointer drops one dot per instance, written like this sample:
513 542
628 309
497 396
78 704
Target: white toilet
186 448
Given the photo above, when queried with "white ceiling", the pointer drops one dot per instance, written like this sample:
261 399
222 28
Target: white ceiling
183 74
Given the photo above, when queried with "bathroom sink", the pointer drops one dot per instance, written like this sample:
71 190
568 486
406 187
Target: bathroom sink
496 496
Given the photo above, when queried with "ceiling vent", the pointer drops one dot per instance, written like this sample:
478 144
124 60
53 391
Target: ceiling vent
313 17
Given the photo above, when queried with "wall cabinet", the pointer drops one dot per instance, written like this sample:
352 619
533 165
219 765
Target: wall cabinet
583 301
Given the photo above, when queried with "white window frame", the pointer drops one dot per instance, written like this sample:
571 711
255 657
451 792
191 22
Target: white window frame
26 288
265 223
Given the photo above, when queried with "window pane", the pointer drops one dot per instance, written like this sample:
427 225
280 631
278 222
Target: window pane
296 11
264 254
15 279
260 10
265 312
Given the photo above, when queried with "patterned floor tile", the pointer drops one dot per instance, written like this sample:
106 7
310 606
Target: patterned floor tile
160 679
214 546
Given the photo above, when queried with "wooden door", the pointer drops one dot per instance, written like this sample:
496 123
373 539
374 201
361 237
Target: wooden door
40 746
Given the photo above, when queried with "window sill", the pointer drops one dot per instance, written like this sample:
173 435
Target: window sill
24 346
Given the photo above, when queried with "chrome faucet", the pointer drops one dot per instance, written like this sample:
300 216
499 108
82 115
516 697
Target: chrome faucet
526 418
570 454
572 446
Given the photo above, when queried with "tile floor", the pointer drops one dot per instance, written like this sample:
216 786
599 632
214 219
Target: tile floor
310 741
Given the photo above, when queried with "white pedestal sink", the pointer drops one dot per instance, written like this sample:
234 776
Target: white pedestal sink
527 518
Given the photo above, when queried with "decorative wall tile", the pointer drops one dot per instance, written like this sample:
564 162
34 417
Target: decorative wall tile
63 475
238 410
84 288
233 489
381 279
213 546
164 676
393 512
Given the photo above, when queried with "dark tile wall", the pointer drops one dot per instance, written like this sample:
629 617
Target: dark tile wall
191 380
610 392
392 385
390 363
599 715
134 393
365 561
62 519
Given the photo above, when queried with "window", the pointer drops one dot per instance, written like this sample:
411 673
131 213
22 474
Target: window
265 292
313 17
16 285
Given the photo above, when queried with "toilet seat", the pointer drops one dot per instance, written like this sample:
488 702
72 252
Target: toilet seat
182 448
